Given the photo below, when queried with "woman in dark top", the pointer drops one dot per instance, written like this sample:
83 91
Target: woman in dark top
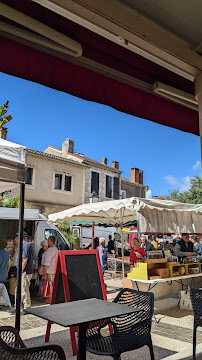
96 242
44 247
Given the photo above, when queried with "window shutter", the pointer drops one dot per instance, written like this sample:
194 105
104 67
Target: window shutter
68 183
95 182
108 186
29 175
58 181
116 188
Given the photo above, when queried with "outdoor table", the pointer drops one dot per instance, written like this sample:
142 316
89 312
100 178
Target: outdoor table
80 313
4 298
153 283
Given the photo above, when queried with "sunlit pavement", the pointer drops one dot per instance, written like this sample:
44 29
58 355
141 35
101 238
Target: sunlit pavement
172 334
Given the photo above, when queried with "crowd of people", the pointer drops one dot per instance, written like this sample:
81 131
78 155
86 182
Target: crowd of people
183 247
186 246
46 266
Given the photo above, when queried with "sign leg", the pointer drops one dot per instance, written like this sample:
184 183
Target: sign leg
48 332
73 330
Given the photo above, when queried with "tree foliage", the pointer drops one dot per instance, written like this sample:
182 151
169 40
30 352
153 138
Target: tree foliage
65 229
191 196
4 118
11 200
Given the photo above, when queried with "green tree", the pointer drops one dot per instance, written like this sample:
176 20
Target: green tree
11 200
4 119
191 196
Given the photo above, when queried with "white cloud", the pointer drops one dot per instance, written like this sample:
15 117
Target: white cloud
171 180
148 194
197 166
182 184
185 183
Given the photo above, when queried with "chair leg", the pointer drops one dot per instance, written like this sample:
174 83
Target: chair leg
194 344
151 348
117 357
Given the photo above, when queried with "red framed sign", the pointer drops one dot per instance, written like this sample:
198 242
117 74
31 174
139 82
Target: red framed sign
78 276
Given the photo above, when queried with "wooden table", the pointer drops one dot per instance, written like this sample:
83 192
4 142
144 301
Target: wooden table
80 313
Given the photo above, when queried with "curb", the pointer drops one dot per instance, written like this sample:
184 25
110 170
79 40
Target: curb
186 354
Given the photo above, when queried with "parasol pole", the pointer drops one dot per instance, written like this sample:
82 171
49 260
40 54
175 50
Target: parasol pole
93 235
122 249
19 264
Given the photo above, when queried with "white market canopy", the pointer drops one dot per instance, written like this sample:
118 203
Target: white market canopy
164 216
12 164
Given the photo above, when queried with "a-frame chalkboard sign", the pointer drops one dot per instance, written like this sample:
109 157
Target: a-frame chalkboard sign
78 276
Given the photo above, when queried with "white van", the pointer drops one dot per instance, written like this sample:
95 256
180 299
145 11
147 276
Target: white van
35 225
85 234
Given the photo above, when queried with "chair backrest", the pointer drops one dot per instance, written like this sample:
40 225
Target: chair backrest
196 300
10 337
138 299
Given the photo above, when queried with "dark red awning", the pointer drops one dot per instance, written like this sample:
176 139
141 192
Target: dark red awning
31 64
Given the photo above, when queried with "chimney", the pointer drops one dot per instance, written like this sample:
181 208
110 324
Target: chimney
67 147
134 175
115 165
104 161
141 177
3 133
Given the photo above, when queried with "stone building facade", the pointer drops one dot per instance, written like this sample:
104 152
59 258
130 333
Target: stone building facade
134 186
100 178
53 183
58 179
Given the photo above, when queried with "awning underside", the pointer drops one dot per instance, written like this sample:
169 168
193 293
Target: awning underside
79 79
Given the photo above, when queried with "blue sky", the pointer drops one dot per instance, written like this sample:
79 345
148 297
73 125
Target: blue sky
43 116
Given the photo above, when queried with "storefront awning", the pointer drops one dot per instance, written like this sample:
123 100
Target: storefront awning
105 73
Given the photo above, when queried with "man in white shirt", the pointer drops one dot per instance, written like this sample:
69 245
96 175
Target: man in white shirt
49 259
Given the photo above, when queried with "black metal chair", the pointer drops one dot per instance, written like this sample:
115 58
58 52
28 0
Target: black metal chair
13 348
196 300
130 332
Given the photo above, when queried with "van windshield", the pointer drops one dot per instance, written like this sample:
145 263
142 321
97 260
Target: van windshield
60 242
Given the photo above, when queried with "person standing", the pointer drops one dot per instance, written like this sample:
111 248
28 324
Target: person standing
4 261
147 246
14 255
27 270
197 245
136 253
154 242
102 253
184 248
44 247
49 259
110 245
96 242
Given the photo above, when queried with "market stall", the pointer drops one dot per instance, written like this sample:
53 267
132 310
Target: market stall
12 175
164 216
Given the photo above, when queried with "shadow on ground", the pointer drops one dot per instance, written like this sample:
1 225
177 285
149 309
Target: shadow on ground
62 338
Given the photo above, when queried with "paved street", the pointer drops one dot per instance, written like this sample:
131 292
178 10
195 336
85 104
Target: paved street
172 334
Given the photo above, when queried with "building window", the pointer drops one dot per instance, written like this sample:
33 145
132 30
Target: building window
116 188
29 176
58 181
95 182
108 186
68 183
